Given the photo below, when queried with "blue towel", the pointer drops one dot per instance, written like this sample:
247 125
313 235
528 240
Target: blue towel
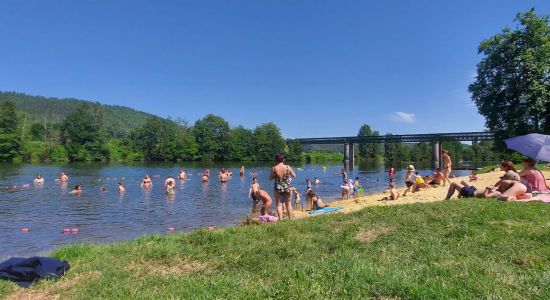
325 210
26 271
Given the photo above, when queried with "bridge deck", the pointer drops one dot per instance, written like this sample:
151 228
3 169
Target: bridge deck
403 138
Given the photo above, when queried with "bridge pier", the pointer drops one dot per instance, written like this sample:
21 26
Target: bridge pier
346 153
351 153
436 155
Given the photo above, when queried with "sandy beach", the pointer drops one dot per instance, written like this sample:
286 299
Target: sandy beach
424 195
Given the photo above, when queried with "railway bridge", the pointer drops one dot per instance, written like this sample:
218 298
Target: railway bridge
435 139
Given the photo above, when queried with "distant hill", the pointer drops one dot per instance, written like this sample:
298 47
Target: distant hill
120 118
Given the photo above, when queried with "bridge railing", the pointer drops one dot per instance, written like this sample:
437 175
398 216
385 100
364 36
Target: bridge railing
402 138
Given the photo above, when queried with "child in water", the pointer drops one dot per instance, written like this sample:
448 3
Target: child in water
121 187
76 190
170 188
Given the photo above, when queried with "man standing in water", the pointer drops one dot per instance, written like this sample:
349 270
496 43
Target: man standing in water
447 166
282 174
63 177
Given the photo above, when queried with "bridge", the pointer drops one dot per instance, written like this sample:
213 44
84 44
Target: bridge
434 138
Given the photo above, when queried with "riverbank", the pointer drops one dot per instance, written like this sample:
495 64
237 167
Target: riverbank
423 196
454 249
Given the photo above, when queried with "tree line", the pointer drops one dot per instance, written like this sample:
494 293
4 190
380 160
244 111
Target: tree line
84 136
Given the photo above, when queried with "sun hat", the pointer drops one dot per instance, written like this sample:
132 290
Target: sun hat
410 168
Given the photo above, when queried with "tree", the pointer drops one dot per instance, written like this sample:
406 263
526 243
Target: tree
10 141
392 150
294 150
370 150
268 142
240 144
212 134
512 87
82 134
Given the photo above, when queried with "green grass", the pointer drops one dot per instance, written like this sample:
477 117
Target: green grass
454 249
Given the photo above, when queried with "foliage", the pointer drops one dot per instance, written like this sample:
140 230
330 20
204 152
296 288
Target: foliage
10 141
368 150
211 134
268 142
294 150
465 249
241 144
512 87
82 134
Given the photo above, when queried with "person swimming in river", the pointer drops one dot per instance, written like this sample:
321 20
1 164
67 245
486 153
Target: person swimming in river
121 187
241 171
63 177
181 175
282 175
257 195
169 179
146 182
76 190
223 176
206 173
169 188
316 181
39 179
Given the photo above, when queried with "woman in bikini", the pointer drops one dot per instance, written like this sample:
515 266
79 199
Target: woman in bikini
282 175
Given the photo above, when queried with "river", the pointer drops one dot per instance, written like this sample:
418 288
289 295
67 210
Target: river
103 217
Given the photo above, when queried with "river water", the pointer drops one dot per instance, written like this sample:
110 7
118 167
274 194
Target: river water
103 217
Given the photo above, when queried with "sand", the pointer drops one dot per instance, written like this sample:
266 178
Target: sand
422 196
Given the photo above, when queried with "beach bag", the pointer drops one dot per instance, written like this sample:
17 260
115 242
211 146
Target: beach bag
26 271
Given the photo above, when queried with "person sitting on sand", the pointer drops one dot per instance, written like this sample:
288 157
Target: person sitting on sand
39 179
63 177
146 182
473 176
181 175
437 178
409 179
532 177
76 190
121 187
257 194
282 174
345 190
316 201
394 194
419 183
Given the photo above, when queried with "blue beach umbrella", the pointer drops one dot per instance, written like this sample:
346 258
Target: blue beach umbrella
534 145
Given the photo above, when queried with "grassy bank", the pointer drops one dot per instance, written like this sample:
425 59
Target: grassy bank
456 249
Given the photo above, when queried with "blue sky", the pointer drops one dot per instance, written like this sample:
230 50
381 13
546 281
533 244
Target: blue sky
316 68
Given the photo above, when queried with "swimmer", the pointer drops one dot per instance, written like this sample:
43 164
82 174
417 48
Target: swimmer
170 190
241 171
102 189
63 177
169 179
223 177
39 179
121 187
76 190
182 176
204 179
316 181
146 182
207 173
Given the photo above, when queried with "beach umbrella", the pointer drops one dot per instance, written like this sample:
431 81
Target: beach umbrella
534 145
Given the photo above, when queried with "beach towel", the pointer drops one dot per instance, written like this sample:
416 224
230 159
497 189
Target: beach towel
325 210
268 218
26 271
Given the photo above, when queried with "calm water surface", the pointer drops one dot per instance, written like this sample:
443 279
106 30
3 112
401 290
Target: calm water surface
110 216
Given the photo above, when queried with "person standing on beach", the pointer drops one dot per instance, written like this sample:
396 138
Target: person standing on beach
409 179
447 166
282 174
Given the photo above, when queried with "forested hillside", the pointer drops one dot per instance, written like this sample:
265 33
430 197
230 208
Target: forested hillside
119 119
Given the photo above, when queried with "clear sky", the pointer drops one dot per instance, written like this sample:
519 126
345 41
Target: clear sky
316 68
